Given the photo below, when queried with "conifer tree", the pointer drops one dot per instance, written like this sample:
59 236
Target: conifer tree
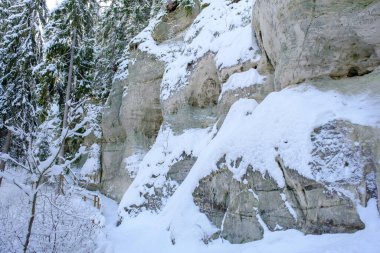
67 69
20 51
4 14
119 22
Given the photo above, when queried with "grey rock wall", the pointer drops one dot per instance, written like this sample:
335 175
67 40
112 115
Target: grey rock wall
131 121
304 39
313 206
174 22
333 43
194 106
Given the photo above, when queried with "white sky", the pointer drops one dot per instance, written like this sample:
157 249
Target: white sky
52 3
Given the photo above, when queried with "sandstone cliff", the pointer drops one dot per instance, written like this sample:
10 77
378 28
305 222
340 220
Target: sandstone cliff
203 129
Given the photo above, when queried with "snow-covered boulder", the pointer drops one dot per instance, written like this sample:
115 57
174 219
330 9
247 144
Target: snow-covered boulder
283 184
242 208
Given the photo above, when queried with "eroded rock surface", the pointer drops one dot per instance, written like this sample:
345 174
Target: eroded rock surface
131 122
345 155
236 207
175 21
230 206
299 40
304 39
179 170
344 165
195 105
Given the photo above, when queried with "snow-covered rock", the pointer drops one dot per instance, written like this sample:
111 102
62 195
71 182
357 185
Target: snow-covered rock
205 148
174 79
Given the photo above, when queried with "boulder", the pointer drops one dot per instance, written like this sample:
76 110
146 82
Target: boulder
236 207
345 155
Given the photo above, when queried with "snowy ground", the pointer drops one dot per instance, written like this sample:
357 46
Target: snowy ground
146 234
63 223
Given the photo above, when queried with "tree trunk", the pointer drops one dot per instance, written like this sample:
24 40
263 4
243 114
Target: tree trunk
67 104
31 221
5 150
68 92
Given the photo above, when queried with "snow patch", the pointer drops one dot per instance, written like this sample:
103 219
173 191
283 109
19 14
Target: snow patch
132 163
290 208
242 80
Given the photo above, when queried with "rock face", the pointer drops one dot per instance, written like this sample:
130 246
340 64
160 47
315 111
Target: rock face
134 112
113 177
131 121
236 207
334 46
345 155
322 211
175 21
312 206
179 170
304 39
230 205
195 105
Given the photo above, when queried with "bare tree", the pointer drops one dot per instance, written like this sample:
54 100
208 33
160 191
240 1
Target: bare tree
68 91
43 171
